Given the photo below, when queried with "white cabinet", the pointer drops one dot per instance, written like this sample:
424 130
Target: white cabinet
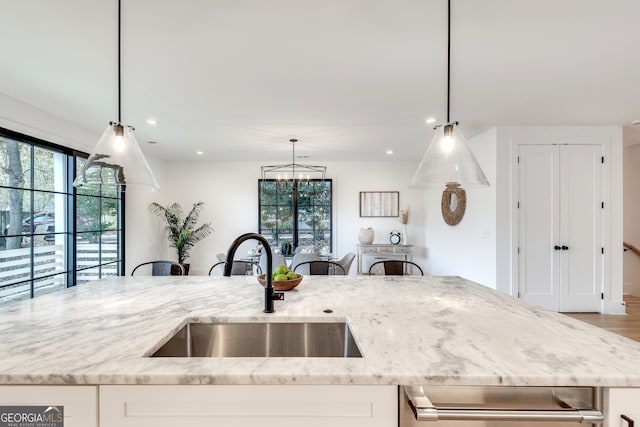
620 403
560 253
79 402
382 251
248 405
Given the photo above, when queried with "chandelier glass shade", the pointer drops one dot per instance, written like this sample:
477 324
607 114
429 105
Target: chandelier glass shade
449 159
116 160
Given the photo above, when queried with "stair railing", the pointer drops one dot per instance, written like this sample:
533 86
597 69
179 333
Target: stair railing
629 247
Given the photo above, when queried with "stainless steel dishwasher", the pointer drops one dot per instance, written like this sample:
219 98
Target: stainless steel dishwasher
457 406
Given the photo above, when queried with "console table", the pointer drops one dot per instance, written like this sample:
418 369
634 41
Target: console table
384 250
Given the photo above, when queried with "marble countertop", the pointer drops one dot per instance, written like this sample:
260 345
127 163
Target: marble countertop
431 330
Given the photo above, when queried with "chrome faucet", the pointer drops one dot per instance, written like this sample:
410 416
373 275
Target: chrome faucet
269 294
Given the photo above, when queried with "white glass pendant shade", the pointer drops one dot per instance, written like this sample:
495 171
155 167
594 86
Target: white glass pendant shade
117 160
448 159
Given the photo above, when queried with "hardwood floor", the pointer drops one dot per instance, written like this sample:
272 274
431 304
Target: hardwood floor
628 326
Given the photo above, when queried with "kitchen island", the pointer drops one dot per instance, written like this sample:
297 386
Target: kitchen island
411 331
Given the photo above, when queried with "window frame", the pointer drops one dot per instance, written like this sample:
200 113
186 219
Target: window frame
70 195
295 207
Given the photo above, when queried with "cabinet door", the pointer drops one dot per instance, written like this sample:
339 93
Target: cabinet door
580 228
619 402
538 230
79 402
248 405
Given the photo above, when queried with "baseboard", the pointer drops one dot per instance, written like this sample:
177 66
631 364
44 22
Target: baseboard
614 307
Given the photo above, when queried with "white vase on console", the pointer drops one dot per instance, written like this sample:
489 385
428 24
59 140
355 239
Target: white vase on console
366 236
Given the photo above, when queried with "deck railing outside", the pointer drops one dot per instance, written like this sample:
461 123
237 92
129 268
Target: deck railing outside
49 268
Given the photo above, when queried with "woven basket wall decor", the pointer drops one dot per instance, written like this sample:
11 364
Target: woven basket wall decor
454 203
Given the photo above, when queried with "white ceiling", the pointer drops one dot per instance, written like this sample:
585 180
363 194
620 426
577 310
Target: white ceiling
349 78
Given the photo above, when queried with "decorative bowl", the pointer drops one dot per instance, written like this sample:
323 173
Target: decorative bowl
282 285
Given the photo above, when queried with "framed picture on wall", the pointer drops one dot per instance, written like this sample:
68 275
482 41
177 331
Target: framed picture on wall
379 203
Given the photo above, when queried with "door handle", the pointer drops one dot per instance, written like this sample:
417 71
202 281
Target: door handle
424 410
564 248
557 248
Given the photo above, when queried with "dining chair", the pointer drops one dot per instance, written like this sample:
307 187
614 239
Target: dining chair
239 268
346 261
395 268
162 268
320 267
277 259
300 258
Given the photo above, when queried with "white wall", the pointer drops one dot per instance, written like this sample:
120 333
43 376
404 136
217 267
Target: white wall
469 248
350 179
230 193
144 234
29 120
632 218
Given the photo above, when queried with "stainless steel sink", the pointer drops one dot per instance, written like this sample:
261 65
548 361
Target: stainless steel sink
261 339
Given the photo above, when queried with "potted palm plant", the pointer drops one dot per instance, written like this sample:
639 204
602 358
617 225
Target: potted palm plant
182 231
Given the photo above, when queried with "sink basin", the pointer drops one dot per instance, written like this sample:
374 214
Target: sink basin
261 339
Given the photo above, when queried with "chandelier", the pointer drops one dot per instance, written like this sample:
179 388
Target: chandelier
293 170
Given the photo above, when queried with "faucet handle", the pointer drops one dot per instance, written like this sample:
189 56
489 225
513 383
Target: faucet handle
278 296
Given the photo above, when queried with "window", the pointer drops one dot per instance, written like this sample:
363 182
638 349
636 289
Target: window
98 230
297 212
41 249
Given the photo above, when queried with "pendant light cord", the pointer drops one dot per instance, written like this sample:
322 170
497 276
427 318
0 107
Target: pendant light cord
293 159
448 56
119 78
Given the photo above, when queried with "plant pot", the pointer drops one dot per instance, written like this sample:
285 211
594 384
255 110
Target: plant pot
175 271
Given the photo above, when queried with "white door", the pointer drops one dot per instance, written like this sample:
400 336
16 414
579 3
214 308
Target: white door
560 226
538 230
581 228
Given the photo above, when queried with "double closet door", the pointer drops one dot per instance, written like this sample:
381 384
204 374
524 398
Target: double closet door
560 239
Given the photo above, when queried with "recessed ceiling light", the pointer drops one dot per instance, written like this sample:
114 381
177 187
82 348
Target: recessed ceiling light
389 152
430 120
199 153
152 142
152 122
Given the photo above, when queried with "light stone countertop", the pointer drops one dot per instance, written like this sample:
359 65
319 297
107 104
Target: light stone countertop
431 330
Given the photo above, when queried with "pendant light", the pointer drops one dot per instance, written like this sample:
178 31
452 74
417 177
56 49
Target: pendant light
448 158
117 158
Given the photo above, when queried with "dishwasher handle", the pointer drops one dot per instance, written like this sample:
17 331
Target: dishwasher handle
424 410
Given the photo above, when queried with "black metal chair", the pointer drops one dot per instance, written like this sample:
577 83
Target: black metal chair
394 268
239 268
319 267
162 268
